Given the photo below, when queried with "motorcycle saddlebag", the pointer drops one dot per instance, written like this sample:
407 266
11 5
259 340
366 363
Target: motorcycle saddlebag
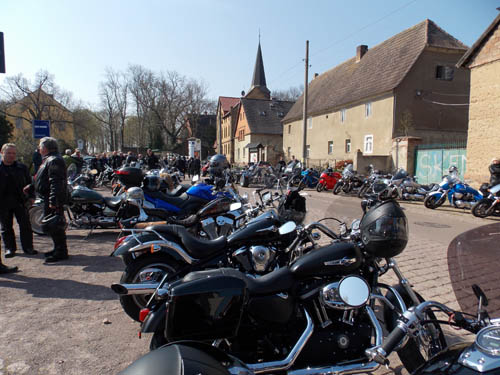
206 305
130 176
180 359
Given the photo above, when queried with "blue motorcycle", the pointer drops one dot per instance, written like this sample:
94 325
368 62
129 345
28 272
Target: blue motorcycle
309 179
459 194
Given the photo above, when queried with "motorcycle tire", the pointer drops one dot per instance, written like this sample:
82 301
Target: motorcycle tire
36 215
410 354
337 188
132 304
431 201
270 181
362 191
320 187
245 181
158 339
480 208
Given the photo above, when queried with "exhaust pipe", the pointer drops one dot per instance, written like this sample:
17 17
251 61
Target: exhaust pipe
128 289
338 370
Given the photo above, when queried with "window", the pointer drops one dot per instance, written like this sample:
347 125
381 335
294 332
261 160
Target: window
368 149
309 123
368 109
308 149
289 129
343 115
330 147
444 73
347 146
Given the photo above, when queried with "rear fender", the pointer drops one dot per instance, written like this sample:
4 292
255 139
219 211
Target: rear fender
155 319
438 194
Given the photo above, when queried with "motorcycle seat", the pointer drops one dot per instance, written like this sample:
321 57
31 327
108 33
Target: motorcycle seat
275 282
175 201
113 202
197 248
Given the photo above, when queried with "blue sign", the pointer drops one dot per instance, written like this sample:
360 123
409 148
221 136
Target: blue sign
41 128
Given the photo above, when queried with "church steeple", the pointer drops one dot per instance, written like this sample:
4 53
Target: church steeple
259 78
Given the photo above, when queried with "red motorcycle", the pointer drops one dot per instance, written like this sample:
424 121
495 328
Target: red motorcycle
327 180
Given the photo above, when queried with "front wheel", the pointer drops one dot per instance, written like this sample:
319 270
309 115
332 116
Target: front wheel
480 208
420 349
146 269
270 181
432 201
320 187
36 216
337 188
363 190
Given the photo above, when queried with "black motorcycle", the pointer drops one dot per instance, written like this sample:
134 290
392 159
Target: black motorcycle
349 182
315 316
160 251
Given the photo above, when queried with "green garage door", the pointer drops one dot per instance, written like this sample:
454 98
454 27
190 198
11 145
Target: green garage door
432 163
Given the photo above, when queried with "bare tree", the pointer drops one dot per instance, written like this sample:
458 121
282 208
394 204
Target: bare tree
291 94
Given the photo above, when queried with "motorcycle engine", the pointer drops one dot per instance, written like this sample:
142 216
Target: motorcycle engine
458 195
261 257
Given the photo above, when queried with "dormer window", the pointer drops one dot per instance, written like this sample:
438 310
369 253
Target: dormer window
444 73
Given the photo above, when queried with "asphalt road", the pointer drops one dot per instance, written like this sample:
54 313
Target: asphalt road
64 319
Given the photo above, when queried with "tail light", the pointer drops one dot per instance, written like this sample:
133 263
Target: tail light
125 173
143 314
119 241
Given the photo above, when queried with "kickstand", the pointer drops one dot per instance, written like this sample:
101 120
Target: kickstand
89 233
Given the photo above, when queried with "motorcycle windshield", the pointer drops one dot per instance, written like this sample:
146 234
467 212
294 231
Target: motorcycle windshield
400 174
474 258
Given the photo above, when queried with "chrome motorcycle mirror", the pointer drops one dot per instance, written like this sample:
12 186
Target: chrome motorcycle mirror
245 196
354 291
355 224
235 206
288 227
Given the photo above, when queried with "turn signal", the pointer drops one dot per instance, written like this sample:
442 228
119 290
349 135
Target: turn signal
143 314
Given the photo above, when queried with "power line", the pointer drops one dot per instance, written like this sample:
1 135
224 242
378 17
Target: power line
278 79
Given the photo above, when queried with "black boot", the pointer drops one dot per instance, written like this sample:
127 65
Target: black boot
59 254
6 269
49 253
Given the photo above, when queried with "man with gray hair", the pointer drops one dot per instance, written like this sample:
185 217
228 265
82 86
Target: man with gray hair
50 184
14 176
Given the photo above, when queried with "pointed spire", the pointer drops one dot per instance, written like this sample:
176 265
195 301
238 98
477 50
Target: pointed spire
259 77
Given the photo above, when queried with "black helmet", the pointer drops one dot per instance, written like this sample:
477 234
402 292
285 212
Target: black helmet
452 169
152 182
52 223
217 164
384 230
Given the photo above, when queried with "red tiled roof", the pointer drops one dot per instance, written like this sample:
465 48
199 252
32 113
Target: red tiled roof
227 102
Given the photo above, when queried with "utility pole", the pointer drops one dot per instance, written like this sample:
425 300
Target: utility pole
219 125
304 113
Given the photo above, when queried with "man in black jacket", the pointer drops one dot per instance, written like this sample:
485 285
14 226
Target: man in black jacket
14 176
50 184
495 172
151 159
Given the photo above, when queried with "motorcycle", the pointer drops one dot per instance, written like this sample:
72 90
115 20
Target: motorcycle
162 250
309 179
349 181
327 180
259 174
488 206
313 317
460 195
88 209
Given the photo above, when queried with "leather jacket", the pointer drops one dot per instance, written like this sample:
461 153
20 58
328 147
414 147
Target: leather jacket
12 181
495 174
51 180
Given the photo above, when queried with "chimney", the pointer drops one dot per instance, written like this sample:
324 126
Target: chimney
316 74
360 51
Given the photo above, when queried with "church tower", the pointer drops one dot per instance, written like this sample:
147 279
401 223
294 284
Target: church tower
259 90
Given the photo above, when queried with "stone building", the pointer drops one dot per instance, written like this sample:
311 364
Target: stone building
402 88
250 126
483 142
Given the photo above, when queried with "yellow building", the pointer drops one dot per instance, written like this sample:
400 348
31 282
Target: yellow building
39 105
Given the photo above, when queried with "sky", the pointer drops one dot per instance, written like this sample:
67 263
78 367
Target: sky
213 41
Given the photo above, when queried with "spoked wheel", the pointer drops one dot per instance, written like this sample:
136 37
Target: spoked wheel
320 187
432 202
145 270
337 188
363 190
480 209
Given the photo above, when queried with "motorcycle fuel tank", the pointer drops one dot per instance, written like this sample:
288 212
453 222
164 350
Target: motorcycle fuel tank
256 231
335 259
82 194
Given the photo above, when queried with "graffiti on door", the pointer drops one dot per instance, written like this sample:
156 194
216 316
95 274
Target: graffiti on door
432 164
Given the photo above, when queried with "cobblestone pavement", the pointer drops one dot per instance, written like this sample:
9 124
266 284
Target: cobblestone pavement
64 319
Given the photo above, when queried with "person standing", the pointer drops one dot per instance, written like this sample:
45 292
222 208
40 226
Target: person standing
14 176
151 159
37 161
50 184
196 166
494 169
